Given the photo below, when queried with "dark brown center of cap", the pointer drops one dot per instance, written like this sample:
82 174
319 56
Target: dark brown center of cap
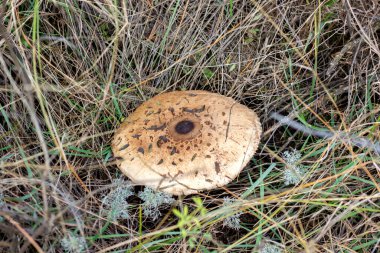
184 127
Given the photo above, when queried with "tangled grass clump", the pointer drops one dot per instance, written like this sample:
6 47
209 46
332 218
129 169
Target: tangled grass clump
71 71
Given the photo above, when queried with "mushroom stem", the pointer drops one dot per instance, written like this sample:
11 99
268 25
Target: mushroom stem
345 137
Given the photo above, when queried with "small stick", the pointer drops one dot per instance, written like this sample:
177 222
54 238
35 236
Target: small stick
326 134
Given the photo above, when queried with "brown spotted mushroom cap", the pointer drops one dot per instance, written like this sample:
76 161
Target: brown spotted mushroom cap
183 142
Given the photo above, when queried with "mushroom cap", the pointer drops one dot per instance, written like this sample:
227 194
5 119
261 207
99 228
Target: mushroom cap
182 142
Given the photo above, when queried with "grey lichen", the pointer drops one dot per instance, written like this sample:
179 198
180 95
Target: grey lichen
153 201
73 243
231 221
116 200
294 171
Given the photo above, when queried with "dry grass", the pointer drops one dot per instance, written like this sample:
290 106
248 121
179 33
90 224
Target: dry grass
72 70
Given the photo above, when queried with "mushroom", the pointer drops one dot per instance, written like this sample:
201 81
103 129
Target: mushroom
183 142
